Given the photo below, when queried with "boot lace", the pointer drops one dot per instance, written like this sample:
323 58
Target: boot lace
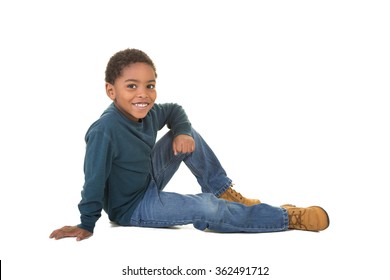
295 219
236 194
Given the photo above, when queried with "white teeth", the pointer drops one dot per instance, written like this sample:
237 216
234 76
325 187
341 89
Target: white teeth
141 105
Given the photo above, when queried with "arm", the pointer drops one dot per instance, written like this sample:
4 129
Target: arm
97 165
176 119
174 116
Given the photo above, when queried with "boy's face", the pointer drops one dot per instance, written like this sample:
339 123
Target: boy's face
134 91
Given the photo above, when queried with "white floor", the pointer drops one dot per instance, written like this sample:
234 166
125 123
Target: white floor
351 246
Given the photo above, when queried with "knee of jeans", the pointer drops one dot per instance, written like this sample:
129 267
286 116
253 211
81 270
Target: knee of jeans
213 204
213 213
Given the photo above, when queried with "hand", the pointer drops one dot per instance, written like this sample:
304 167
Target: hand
183 144
70 231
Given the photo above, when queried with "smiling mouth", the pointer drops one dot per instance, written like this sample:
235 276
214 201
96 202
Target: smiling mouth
141 105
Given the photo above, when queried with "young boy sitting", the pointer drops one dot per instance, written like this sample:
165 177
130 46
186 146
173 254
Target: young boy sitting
126 171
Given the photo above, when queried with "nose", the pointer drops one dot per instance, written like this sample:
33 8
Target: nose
142 93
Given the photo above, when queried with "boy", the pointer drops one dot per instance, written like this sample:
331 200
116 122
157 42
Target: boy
126 170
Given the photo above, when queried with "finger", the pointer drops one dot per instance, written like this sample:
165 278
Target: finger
176 149
57 234
189 148
83 235
52 234
66 231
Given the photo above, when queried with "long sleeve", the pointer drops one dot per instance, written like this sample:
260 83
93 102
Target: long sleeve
97 166
175 118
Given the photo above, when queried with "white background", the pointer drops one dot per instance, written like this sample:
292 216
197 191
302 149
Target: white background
291 95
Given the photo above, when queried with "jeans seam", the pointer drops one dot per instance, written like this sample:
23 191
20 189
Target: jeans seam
221 189
140 222
165 167
224 188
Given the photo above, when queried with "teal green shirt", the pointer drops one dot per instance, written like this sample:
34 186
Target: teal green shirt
117 162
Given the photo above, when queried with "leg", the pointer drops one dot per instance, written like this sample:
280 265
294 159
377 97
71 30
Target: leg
202 162
205 211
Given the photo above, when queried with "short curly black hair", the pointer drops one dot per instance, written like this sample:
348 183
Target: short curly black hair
124 58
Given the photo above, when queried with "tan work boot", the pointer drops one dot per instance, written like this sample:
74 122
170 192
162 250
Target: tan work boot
312 218
232 195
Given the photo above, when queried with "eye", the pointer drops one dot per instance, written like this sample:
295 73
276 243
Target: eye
151 86
132 86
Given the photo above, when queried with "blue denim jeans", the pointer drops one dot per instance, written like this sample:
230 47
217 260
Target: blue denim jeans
204 210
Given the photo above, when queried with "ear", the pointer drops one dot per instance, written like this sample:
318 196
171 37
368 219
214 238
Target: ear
110 91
